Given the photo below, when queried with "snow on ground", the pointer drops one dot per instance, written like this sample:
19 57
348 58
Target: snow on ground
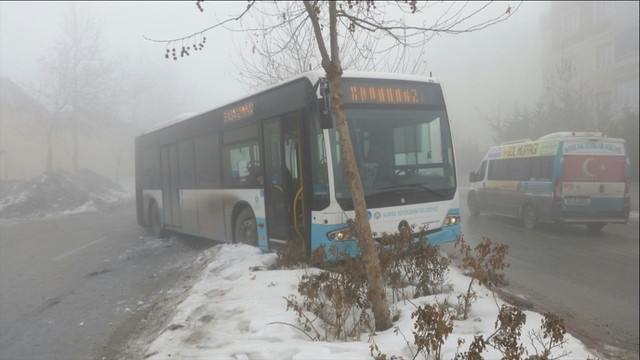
235 311
59 193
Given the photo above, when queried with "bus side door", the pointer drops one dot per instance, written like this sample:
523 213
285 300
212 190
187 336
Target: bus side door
283 179
170 195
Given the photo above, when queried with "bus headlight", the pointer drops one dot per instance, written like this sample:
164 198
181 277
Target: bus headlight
339 235
451 219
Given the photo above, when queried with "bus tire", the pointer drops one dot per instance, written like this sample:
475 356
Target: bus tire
595 228
156 226
245 228
472 203
530 217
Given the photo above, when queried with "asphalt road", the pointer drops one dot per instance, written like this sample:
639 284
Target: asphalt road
67 284
589 280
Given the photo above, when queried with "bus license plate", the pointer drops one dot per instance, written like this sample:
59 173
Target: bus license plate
577 200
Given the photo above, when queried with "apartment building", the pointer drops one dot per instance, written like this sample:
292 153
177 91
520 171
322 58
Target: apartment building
598 42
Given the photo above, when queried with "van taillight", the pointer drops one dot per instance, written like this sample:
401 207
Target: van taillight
627 191
557 190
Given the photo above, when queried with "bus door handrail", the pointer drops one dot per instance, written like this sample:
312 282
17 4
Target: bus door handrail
295 219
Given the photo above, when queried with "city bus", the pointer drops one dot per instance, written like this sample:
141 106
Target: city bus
266 170
564 177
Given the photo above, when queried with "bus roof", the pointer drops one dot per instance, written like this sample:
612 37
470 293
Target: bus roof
313 77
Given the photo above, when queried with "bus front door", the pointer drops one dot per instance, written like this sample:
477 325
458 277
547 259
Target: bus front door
283 180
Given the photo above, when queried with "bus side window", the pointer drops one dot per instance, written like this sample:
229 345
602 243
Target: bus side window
186 164
151 169
241 153
208 161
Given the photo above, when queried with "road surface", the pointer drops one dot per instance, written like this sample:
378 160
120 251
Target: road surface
590 280
67 284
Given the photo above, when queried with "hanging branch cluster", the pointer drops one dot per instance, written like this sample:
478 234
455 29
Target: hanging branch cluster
197 40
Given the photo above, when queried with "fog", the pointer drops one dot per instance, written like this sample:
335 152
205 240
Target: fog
493 68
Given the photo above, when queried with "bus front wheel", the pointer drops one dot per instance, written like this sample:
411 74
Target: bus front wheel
530 217
595 227
246 230
156 223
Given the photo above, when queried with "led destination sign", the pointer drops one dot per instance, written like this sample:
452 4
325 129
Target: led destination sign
384 95
239 112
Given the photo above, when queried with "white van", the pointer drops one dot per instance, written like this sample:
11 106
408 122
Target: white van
565 177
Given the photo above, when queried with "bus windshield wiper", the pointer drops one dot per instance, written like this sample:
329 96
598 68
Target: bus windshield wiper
395 188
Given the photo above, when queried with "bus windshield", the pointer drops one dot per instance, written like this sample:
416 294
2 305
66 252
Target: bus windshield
404 156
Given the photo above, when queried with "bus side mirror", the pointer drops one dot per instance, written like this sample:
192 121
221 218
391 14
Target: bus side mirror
472 176
326 121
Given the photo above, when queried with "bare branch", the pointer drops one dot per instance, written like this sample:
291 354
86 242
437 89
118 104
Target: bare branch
333 34
168 41
318 33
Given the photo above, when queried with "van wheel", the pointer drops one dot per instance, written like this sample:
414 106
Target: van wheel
530 217
595 228
156 223
473 206
246 230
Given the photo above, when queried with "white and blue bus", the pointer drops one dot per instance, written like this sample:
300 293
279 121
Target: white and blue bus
267 170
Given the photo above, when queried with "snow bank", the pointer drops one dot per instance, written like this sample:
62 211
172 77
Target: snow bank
237 311
59 193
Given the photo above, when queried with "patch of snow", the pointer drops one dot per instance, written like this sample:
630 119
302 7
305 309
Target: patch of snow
234 313
59 193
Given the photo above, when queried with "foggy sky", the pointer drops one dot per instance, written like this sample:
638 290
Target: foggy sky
498 65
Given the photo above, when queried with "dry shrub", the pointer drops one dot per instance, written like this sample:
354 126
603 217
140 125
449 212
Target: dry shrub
484 266
506 337
338 300
337 296
293 256
408 261
433 325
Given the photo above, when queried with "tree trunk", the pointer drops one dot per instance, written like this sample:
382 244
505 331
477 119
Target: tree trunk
118 161
76 147
49 150
377 294
332 67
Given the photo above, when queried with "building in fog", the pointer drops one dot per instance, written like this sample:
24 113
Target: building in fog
597 41
24 141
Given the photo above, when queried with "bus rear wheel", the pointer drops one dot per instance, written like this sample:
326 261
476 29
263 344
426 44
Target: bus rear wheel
595 228
246 229
530 217
154 219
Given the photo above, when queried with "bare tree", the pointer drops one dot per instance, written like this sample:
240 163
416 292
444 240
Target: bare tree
75 84
274 52
353 17
568 103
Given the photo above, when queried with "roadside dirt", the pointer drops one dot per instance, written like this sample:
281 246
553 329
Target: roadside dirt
597 345
131 338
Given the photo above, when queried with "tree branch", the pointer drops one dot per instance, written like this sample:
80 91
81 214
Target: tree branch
249 5
316 29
